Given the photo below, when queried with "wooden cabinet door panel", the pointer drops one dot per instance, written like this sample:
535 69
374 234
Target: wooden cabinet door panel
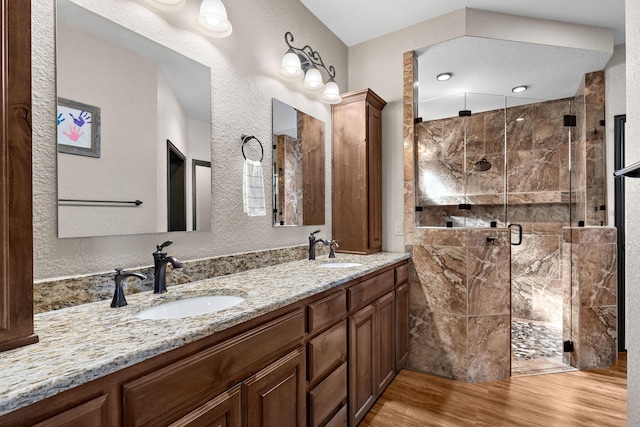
362 387
349 175
385 342
275 396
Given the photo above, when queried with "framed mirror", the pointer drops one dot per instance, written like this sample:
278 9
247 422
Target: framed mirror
121 98
298 167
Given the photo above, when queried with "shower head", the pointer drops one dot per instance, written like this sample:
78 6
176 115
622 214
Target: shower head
482 165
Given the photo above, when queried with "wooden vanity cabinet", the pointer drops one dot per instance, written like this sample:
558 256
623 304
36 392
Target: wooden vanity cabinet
357 172
322 361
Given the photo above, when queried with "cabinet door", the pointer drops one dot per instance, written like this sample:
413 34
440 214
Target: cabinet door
385 341
402 325
222 411
275 396
362 387
349 180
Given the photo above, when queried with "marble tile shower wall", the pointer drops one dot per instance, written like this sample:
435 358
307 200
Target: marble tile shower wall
589 279
67 292
537 190
537 150
460 304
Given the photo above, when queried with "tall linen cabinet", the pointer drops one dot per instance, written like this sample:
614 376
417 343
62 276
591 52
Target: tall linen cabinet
357 172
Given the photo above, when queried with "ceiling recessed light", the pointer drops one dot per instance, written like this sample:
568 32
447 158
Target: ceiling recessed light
443 77
519 89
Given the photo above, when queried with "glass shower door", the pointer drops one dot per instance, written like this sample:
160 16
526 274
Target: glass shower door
537 148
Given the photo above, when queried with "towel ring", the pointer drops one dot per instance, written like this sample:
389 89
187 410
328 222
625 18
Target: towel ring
247 138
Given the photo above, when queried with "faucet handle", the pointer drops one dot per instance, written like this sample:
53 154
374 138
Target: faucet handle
161 246
312 235
332 248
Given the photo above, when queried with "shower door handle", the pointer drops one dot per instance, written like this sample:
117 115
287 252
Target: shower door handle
519 234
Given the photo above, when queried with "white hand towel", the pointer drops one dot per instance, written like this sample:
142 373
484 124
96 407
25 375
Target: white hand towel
253 189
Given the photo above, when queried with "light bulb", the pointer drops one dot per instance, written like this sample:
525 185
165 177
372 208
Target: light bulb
212 19
313 80
290 69
331 93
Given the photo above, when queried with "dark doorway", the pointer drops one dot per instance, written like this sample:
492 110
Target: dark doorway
176 190
619 125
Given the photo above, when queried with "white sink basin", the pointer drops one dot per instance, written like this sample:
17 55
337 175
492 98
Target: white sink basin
188 307
340 264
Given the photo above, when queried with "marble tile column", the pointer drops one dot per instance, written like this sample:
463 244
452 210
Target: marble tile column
460 303
589 280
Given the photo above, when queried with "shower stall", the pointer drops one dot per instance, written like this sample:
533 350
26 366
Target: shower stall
520 175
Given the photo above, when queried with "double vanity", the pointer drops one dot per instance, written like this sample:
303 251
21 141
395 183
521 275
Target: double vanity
301 343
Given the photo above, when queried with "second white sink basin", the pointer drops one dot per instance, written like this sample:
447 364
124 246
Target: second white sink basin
188 307
340 264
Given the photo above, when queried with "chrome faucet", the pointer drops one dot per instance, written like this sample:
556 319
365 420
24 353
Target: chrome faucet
160 261
313 242
118 296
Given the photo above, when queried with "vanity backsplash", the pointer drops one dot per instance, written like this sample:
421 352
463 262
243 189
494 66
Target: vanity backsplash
70 291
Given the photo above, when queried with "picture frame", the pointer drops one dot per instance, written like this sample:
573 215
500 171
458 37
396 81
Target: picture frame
78 127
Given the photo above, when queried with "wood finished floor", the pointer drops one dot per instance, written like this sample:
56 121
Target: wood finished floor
580 398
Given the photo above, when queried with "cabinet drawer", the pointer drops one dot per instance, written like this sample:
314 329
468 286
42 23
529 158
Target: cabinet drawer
328 396
326 351
170 393
91 413
339 419
365 292
402 274
327 311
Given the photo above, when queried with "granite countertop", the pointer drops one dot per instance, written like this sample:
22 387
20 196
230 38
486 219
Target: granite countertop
82 343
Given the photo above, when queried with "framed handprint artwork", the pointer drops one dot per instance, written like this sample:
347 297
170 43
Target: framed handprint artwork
78 128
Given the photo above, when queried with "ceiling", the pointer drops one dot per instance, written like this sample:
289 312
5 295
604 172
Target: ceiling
356 21
481 65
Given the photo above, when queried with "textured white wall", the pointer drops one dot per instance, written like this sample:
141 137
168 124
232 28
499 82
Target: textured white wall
632 197
244 80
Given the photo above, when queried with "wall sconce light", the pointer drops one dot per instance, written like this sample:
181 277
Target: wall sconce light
212 19
305 61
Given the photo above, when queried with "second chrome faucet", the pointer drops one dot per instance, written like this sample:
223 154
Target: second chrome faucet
160 261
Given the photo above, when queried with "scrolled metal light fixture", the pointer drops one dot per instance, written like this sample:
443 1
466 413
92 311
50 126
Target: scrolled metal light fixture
305 61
